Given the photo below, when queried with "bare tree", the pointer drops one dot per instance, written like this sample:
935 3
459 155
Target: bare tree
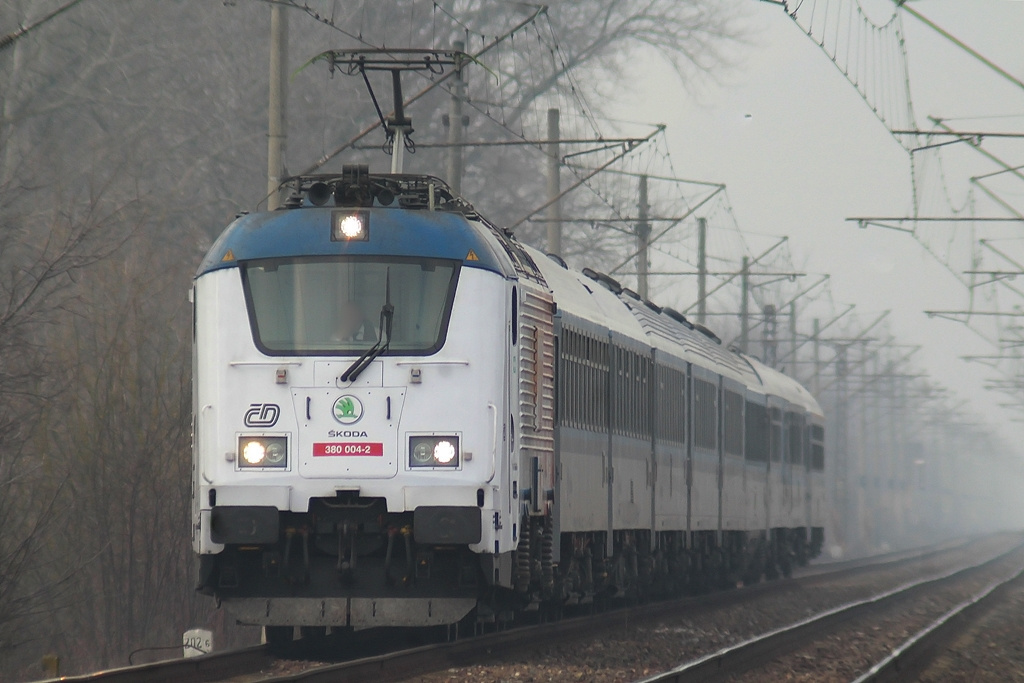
40 258
124 430
129 118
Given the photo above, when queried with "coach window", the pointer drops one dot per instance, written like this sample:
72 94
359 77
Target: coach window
630 412
589 398
616 392
602 375
578 383
586 367
671 404
757 432
633 378
795 428
570 378
817 457
733 423
625 395
705 414
645 396
817 448
562 379
593 390
623 392
579 398
617 388
576 399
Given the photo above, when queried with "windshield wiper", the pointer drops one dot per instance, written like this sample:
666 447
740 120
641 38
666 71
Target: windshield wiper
387 313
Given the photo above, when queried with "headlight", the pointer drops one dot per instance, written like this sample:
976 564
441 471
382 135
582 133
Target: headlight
434 451
350 226
444 452
262 451
422 453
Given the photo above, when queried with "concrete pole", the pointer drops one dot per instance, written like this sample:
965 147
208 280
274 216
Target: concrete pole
875 440
792 341
744 304
816 384
554 245
842 455
278 105
702 270
769 338
643 242
869 512
456 124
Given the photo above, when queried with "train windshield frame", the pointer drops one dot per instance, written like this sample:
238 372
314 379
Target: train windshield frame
331 305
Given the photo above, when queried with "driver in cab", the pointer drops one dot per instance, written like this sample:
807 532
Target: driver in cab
353 326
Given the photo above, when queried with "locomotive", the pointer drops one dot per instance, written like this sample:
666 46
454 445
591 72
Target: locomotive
403 416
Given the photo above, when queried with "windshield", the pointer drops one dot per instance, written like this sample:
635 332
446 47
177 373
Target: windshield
332 306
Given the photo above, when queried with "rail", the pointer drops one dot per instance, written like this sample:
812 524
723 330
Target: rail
742 657
913 656
408 662
216 666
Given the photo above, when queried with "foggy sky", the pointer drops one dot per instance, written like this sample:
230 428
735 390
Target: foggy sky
800 152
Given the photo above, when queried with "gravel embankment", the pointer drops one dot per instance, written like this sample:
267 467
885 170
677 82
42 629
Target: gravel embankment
635 651
990 650
844 654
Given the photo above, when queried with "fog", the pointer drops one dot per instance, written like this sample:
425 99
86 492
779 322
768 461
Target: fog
132 132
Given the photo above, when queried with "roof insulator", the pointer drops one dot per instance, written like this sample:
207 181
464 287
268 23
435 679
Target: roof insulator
558 259
651 305
631 294
707 333
610 283
677 316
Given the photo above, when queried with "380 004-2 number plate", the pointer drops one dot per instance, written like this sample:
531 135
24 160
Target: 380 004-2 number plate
347 448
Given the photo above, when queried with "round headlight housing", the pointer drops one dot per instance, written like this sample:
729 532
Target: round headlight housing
275 453
422 454
440 451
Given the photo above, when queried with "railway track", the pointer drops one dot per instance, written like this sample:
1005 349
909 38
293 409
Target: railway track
918 653
760 651
216 666
259 664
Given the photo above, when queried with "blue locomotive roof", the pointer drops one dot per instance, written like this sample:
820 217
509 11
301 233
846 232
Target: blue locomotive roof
392 232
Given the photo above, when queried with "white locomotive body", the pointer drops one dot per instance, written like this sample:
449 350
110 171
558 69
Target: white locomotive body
402 415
